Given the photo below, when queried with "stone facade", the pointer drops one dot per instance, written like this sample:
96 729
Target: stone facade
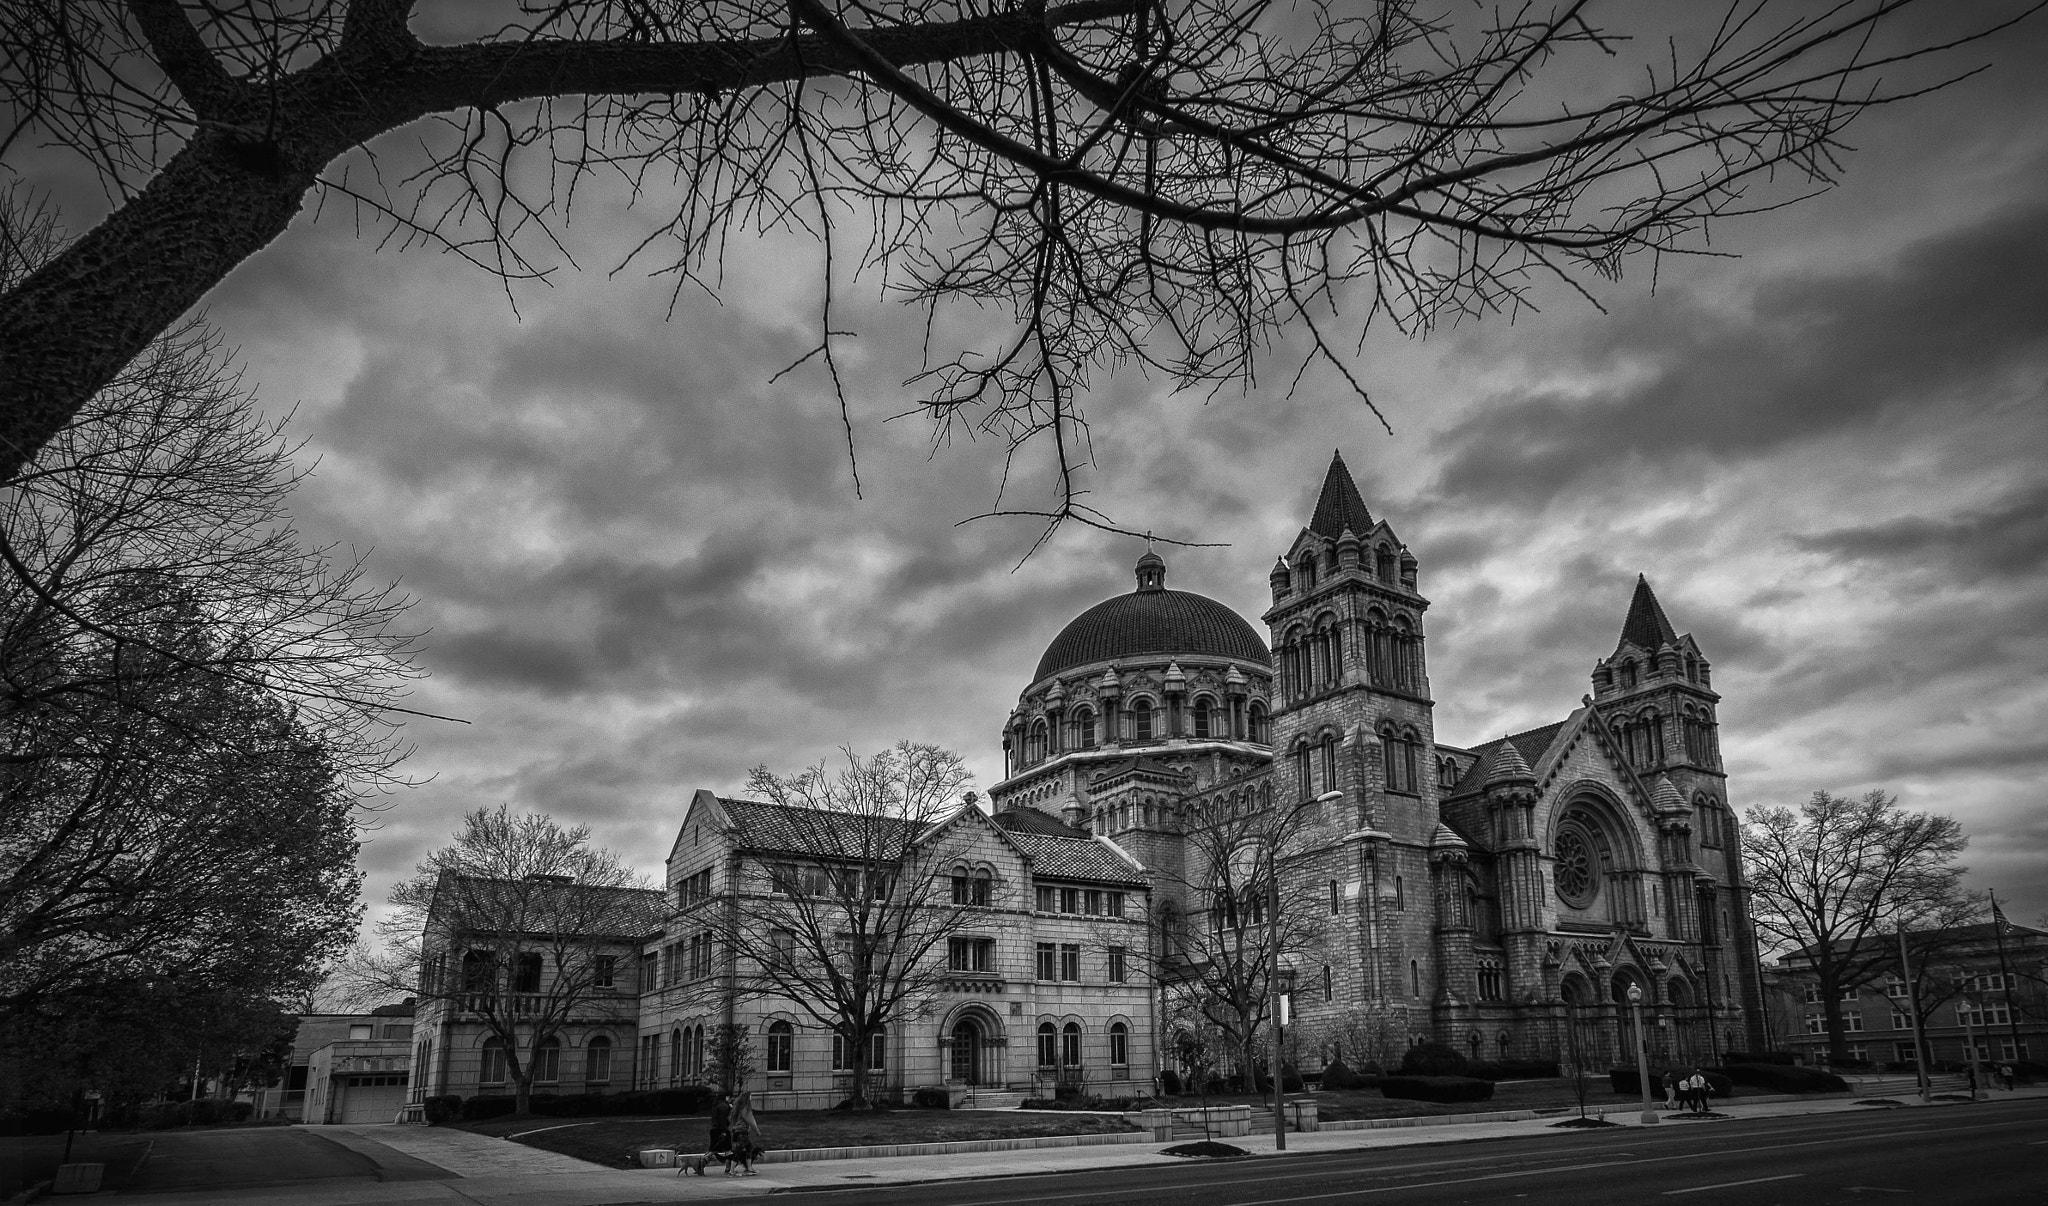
1485 896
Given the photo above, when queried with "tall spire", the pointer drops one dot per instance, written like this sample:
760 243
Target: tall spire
1340 506
1646 627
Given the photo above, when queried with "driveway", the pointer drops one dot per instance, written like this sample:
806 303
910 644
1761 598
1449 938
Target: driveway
247 1157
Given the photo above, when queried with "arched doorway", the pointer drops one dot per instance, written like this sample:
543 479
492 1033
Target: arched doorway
965 1068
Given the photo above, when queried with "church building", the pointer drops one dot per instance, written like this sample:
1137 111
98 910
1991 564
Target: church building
1503 897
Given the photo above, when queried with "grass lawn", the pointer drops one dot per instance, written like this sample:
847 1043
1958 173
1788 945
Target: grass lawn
27 1159
611 1141
1507 1095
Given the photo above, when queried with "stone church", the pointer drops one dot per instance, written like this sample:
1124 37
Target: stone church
1502 897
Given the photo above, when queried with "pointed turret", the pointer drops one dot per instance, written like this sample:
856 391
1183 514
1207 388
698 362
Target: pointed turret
1506 765
1339 506
1646 628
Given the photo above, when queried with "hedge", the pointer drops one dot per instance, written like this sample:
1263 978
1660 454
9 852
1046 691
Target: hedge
1514 1069
1436 1088
932 1099
1624 1082
1761 1057
1338 1075
1433 1059
1169 1083
1781 1078
443 1109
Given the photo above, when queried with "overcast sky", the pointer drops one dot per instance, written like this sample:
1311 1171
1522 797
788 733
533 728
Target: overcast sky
644 568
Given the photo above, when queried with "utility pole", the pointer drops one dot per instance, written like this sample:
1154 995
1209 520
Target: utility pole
1913 1007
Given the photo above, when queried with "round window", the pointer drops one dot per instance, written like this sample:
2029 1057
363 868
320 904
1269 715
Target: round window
1573 867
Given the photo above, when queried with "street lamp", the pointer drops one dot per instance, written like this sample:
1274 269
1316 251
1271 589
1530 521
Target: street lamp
1635 1004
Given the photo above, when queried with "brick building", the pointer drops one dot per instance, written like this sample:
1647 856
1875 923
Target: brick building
1488 896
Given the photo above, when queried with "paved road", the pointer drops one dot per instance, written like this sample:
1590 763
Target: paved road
1954 1157
258 1156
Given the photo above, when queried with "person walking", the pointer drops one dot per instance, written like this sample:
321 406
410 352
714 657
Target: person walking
746 1132
721 1125
1696 1089
2005 1077
1670 1090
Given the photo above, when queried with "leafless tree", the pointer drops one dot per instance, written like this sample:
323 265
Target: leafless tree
1218 961
520 925
1837 879
1170 184
192 700
845 913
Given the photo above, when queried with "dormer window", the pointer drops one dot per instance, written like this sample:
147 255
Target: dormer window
1628 674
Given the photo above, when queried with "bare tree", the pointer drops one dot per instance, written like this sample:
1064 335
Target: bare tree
519 925
1135 181
844 912
1219 960
1836 880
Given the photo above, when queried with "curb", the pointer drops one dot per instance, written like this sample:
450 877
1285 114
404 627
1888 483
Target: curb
957 1147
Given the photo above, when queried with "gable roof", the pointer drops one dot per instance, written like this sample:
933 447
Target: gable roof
1031 821
783 828
1531 745
1340 506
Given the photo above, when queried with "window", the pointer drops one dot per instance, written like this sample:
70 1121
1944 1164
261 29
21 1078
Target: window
1048 966
1900 1021
1857 1052
1070 1045
1336 905
1070 961
1414 978
360 1031
971 888
1988 982
1258 725
493 1071
970 954
650 964
1084 729
1048 900
781 1041
479 971
597 1061
1980 1013
842 1053
1852 1021
1141 720
1895 988
604 971
1303 768
1048 1044
1400 895
527 976
1070 900
1329 986
547 1062
1816 1023
1491 981
694 889
1329 760
1091 904
675 1056
2006 1049
1903 1053
1113 903
1119 1044
1119 965
1202 714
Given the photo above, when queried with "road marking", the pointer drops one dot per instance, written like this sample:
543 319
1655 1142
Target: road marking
1731 1184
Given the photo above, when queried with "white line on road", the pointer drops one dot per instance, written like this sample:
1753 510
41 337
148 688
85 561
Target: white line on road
1731 1184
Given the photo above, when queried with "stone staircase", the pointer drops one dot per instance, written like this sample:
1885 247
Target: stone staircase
988 1099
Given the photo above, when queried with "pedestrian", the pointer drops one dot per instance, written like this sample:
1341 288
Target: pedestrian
1670 1090
721 1125
746 1134
2005 1077
1696 1088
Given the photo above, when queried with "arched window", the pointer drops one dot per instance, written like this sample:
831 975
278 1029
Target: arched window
1406 669
1303 766
781 1047
526 974
1414 978
1256 719
493 1069
1329 760
547 1061
1141 719
675 1055
1084 728
1204 712
1070 1046
1035 745
1048 1044
1383 563
597 1060
1400 895
1119 1045
1628 673
697 1061
1307 572
478 968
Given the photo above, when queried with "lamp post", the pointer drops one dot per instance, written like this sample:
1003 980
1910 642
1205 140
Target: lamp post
1635 1005
1966 1007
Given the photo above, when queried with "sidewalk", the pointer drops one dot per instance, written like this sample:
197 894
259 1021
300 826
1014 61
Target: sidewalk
498 1172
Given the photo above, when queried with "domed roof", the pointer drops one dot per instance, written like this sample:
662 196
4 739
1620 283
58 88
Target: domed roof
1152 621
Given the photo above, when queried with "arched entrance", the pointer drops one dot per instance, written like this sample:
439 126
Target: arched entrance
965 1067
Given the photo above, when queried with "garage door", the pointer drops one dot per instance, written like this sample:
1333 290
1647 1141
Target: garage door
372 1098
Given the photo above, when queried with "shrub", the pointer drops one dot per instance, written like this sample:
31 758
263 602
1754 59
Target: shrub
477 1109
1624 1081
1782 1078
1433 1059
1513 1069
685 1099
1761 1057
1169 1083
1338 1076
1436 1088
442 1110
932 1099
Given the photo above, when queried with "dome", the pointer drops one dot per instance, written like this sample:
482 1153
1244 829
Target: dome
1155 622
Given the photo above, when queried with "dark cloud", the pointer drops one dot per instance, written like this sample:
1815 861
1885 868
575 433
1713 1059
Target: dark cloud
2006 539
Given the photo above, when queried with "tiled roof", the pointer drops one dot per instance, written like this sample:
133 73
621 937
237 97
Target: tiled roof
785 829
1030 820
1646 627
1531 745
1340 507
1077 858
621 911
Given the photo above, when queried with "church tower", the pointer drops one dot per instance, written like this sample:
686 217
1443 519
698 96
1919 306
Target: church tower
1352 714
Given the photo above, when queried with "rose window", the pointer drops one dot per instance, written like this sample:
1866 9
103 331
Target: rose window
1573 867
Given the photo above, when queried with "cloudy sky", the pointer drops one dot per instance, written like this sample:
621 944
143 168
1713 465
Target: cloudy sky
644 568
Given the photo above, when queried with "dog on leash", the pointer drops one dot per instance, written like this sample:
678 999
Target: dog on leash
694 1162
741 1157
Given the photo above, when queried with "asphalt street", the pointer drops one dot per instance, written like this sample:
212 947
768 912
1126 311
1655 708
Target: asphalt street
265 1156
1957 1157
